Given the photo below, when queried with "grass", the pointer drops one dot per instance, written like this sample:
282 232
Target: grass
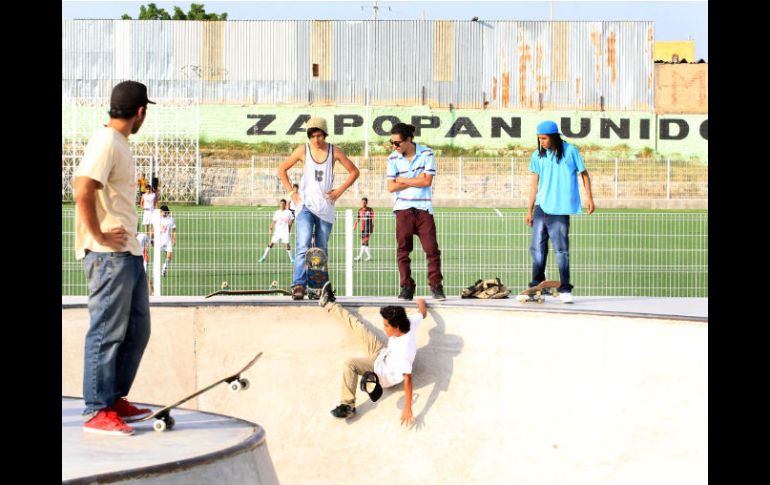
620 252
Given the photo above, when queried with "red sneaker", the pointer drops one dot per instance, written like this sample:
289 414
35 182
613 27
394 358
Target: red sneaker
108 422
128 412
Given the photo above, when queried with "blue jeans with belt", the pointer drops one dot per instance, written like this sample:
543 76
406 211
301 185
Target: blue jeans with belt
119 329
556 228
308 226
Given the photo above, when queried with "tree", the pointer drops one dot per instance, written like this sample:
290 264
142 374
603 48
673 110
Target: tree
197 12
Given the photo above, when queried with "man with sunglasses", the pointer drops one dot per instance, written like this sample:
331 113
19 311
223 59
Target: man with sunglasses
410 172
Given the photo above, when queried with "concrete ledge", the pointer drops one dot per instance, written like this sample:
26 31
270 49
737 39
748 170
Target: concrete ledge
202 448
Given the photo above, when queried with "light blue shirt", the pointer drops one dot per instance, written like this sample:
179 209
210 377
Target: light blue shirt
398 166
557 188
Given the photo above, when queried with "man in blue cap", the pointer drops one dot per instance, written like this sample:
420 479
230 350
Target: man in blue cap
554 197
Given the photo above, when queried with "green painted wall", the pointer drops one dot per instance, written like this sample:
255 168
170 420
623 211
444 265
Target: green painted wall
684 135
681 136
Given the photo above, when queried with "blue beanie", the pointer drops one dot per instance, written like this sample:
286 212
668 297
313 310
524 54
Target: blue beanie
547 128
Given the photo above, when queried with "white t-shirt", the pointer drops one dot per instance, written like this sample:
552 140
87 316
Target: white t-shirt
166 225
107 159
282 219
396 359
148 201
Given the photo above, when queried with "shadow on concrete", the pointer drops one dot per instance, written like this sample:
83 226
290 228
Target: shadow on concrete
433 365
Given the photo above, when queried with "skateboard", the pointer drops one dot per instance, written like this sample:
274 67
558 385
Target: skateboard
274 290
536 292
317 268
163 419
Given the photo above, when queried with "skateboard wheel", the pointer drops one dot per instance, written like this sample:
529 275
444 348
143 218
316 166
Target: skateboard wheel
159 425
170 423
236 386
244 384
274 284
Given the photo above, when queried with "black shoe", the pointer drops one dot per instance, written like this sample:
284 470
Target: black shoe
343 411
438 293
407 293
327 295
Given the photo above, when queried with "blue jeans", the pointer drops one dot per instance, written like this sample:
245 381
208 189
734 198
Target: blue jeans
308 226
545 226
119 329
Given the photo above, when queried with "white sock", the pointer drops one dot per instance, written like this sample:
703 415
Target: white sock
165 265
368 254
361 252
291 258
267 250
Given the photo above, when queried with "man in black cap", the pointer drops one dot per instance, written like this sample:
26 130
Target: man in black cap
391 364
105 239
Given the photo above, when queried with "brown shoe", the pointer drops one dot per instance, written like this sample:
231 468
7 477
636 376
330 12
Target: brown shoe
298 292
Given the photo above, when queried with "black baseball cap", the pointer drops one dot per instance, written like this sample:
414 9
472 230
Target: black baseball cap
370 384
127 97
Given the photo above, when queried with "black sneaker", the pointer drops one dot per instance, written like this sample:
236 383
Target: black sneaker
407 293
343 411
327 295
438 293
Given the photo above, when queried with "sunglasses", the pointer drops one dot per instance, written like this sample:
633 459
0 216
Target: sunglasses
396 143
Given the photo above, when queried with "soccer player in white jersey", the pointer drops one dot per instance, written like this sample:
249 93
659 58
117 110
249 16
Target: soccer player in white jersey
144 243
280 227
167 236
149 203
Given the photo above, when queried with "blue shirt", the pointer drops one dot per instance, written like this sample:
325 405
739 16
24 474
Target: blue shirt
557 187
398 166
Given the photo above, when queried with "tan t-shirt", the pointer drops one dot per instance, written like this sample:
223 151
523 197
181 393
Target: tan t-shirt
107 159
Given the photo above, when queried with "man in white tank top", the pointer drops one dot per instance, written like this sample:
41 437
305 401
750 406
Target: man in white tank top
315 199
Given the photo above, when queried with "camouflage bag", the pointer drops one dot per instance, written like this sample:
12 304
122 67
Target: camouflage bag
486 289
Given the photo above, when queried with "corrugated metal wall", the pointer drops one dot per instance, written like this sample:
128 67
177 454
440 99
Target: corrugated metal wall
500 64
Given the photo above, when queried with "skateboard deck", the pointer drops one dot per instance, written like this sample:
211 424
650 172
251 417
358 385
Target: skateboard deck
225 290
163 419
275 291
536 293
316 264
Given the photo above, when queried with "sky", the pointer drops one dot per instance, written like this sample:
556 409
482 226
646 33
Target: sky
682 20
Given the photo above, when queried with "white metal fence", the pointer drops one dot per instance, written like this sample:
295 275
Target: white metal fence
611 253
503 181
166 147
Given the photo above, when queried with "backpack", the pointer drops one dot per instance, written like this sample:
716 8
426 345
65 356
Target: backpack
486 289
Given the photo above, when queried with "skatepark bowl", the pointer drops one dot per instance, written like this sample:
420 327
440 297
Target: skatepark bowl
608 390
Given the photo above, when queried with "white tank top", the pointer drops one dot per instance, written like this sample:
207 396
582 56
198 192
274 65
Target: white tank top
317 180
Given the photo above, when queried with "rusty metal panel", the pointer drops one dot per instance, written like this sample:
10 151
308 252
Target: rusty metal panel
443 53
528 65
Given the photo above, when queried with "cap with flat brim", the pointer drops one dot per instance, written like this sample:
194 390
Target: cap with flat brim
370 384
547 128
127 97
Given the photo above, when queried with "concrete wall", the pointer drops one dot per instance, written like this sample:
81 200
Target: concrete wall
499 396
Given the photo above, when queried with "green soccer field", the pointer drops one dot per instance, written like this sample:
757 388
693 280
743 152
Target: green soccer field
612 252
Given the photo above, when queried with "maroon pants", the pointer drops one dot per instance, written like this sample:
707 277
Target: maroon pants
420 222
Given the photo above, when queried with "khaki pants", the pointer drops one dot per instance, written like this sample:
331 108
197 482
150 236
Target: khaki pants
355 367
